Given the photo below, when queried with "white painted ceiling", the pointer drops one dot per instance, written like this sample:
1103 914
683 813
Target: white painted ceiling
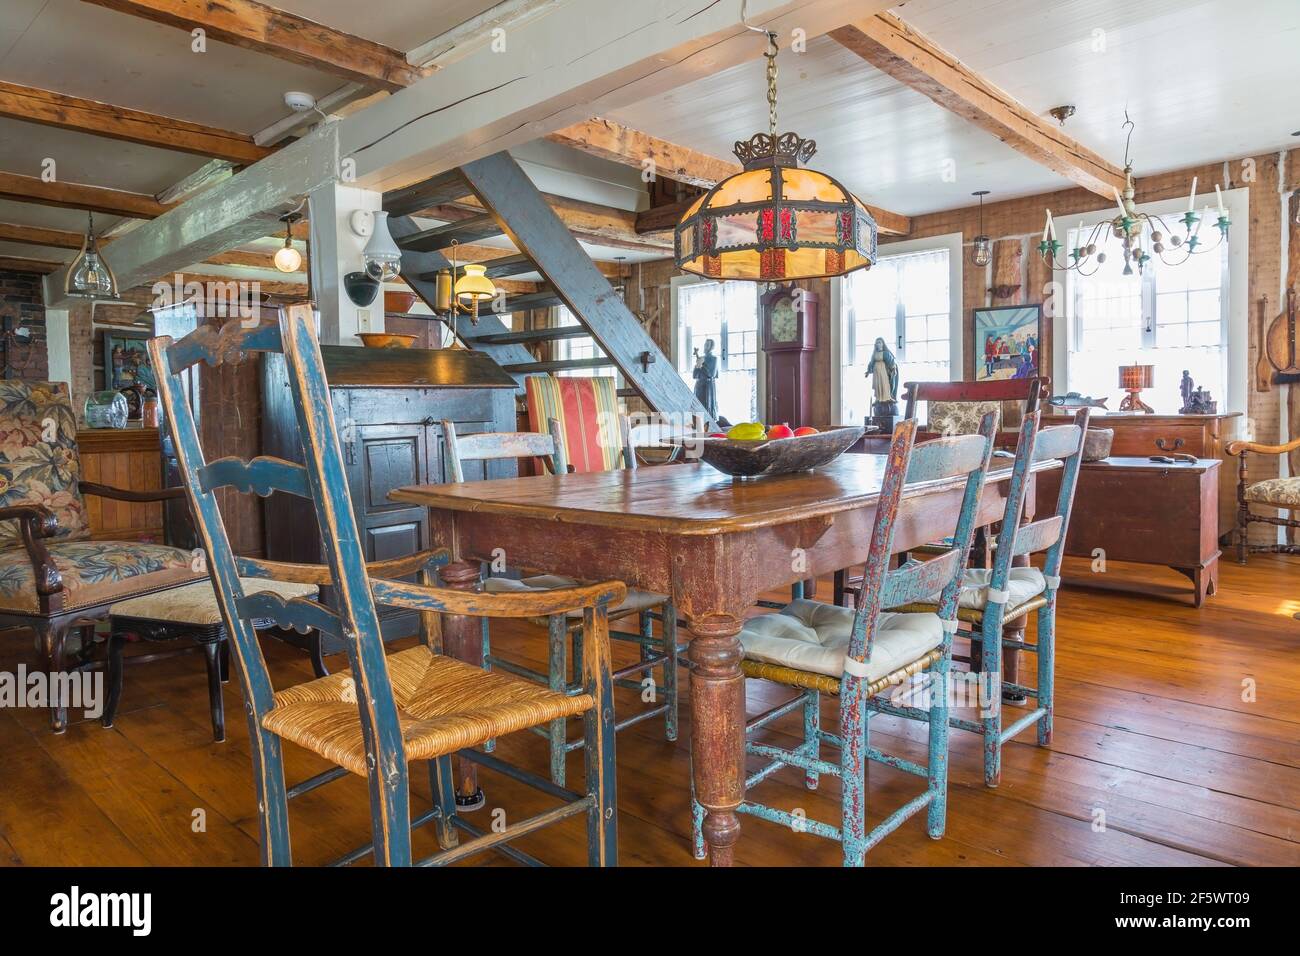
1203 79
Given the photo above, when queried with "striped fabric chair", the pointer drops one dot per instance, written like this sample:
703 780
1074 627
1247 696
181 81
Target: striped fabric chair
386 711
587 410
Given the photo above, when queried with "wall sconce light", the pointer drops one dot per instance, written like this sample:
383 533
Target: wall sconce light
287 258
89 276
981 248
454 295
382 256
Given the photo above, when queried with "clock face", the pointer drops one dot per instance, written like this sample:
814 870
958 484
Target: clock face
784 324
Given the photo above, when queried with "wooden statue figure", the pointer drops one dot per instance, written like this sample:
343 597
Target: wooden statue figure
706 378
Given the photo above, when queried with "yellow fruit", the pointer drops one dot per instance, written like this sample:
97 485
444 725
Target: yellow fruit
747 431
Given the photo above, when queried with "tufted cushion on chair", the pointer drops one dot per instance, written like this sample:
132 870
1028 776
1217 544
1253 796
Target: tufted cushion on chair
587 410
636 599
1023 584
38 457
94 572
811 636
1278 492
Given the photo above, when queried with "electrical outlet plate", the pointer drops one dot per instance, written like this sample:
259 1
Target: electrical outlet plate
364 322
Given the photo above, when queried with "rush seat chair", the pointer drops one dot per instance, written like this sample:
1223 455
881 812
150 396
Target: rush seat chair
373 719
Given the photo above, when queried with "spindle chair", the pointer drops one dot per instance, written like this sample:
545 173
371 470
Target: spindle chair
857 654
996 602
384 711
564 630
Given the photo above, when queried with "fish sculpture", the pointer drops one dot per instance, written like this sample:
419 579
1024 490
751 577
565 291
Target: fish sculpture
1076 400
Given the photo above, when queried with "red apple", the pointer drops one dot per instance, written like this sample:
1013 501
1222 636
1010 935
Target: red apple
805 430
780 431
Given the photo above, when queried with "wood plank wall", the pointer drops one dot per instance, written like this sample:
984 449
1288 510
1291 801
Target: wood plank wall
128 459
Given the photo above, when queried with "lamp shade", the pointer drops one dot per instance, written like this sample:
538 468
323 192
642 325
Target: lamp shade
774 220
1137 376
89 276
474 285
383 257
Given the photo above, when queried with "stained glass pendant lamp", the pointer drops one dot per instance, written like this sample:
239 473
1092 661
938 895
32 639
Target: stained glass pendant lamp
775 221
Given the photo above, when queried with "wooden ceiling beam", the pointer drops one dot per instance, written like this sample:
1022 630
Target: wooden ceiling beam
278 33
37 266
631 147
894 48
589 222
112 202
48 108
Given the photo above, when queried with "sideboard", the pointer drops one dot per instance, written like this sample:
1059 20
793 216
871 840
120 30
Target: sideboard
127 458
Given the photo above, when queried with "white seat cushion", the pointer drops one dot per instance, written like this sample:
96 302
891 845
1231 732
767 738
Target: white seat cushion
1023 584
812 636
636 600
197 603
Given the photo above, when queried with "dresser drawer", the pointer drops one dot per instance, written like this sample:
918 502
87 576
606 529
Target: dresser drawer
1161 438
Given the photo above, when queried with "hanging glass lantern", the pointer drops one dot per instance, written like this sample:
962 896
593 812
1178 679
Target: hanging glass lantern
89 276
981 246
774 220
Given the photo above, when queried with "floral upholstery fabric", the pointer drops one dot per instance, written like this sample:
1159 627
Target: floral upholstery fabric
959 418
38 457
94 572
1278 492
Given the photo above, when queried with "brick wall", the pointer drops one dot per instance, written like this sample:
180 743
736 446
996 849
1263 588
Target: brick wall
22 306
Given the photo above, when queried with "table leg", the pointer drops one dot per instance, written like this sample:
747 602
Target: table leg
718 730
462 638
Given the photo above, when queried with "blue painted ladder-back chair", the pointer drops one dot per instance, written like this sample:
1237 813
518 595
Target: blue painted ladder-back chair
654 652
994 599
857 653
385 711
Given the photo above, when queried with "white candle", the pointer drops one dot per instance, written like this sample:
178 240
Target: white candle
1191 200
1119 201
1219 196
1047 224
1051 225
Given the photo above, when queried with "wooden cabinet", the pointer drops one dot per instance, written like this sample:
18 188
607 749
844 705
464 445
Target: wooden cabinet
1203 436
129 459
388 406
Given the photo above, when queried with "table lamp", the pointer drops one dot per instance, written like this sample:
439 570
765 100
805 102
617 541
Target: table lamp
1134 378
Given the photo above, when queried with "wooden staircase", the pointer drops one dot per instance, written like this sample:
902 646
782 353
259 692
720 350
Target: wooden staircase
516 209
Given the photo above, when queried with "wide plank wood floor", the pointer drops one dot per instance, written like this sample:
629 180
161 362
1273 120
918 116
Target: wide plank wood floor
1177 743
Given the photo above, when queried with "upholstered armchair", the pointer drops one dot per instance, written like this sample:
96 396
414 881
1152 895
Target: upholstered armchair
1280 493
53 577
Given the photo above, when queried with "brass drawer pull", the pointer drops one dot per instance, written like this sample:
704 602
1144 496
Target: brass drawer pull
1163 446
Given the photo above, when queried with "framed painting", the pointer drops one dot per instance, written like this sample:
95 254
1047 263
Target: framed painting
126 361
1008 342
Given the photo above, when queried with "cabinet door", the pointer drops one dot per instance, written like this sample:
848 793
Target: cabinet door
381 459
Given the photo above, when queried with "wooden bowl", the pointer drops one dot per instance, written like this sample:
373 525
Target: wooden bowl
398 301
386 340
777 456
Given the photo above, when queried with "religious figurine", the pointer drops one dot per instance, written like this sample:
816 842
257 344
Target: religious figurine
706 378
883 370
1196 401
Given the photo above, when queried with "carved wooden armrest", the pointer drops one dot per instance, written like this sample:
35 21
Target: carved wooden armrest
320 573
121 494
1241 447
36 522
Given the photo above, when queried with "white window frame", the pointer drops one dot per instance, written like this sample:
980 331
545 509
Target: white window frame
956 262
674 285
1233 296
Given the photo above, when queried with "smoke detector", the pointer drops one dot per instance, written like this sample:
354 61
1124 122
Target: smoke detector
299 102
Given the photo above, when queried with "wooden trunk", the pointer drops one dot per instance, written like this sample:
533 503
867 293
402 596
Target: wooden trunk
389 405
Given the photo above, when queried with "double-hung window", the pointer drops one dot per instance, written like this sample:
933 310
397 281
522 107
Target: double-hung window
727 314
907 300
1172 317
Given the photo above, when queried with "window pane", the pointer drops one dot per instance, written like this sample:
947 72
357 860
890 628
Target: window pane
727 313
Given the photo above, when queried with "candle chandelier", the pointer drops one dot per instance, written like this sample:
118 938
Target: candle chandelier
1130 226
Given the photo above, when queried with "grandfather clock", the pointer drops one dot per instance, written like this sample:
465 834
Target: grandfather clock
788 319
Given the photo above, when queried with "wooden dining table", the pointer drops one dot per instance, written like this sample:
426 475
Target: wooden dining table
714 543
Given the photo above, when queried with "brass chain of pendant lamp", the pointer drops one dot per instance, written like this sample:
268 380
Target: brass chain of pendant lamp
775 221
